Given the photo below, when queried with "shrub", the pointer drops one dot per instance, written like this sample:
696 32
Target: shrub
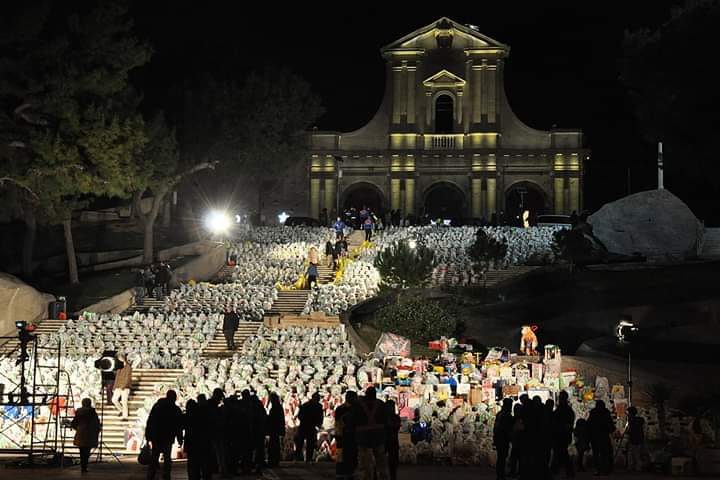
418 319
402 266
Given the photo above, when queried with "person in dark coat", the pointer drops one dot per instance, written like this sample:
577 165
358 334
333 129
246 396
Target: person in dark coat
231 322
370 418
346 461
164 426
502 433
601 427
392 441
139 284
198 447
312 275
275 429
258 426
311 418
562 427
87 428
516 440
582 442
219 422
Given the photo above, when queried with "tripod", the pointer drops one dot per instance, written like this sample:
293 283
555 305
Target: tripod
101 443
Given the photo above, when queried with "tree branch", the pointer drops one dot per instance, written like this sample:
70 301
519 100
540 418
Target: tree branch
4 180
194 169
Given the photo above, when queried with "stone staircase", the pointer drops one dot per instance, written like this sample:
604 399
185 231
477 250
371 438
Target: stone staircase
493 277
711 243
289 302
217 348
114 429
148 303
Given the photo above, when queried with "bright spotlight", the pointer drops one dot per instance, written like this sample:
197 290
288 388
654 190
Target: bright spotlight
282 217
218 222
412 244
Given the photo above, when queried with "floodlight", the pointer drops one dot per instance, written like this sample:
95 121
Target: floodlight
412 244
217 222
282 217
625 329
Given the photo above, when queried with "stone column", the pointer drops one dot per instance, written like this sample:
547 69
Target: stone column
409 195
491 196
329 195
477 93
574 194
397 94
491 101
411 93
395 194
314 197
559 195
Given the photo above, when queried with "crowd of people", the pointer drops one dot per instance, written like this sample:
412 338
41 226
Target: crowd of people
152 281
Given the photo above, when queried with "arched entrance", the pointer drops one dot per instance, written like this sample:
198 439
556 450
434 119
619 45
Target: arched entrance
444 200
363 194
523 196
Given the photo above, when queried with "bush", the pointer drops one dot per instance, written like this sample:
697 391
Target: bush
418 319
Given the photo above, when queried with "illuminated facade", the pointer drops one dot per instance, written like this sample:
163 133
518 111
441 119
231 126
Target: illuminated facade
445 140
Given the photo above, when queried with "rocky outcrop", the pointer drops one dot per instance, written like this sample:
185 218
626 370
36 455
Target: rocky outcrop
655 223
20 301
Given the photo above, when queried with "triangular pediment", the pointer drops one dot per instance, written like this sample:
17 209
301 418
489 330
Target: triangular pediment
444 78
420 38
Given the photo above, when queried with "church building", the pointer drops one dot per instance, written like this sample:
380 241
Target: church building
445 142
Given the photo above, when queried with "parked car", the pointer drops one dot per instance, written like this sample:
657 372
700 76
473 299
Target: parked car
302 222
554 221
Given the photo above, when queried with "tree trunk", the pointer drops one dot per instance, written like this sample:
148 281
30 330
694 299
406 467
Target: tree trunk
28 243
70 252
167 212
148 242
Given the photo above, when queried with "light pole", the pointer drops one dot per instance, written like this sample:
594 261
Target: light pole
625 330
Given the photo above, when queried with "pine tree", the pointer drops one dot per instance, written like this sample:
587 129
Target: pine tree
486 252
402 266
66 133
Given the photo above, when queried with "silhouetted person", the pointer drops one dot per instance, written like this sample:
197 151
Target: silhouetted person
164 426
637 452
87 428
544 443
516 439
231 322
247 443
198 447
582 442
311 418
601 427
502 433
562 428
258 421
345 438
275 429
370 417
392 441
219 422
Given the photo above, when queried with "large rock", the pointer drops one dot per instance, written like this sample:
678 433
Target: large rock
20 301
653 223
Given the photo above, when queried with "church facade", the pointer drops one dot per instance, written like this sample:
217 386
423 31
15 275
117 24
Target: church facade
444 141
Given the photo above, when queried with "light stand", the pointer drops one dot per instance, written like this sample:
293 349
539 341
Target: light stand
624 331
101 443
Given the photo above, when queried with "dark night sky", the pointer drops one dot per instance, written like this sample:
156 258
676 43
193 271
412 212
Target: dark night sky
563 67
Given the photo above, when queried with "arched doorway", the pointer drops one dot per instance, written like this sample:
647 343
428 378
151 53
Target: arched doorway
444 200
523 196
444 114
363 194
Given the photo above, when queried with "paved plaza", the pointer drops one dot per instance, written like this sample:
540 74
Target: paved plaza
130 470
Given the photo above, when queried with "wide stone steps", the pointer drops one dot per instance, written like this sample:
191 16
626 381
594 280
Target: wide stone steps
218 347
289 302
114 429
148 303
711 243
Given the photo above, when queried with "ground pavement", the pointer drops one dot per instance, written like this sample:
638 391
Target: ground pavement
130 470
